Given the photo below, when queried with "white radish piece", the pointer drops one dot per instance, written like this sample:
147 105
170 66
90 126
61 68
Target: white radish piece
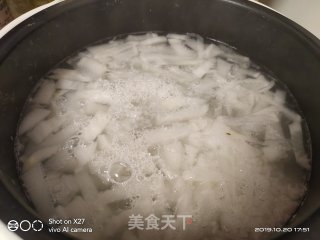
91 67
167 134
45 93
180 48
113 195
211 51
191 154
293 116
177 36
154 40
257 85
84 154
273 132
280 96
223 68
93 107
173 103
240 60
184 114
196 43
203 69
172 154
32 118
45 128
60 212
298 145
69 74
129 54
118 222
61 135
33 179
95 95
39 156
62 161
95 127
103 143
62 189
139 37
274 152
78 208
184 202
67 84
86 185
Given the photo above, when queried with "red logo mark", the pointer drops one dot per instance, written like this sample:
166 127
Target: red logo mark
189 221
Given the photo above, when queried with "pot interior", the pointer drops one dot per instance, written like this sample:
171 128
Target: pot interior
38 44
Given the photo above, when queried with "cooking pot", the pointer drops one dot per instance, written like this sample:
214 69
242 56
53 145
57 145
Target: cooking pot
36 45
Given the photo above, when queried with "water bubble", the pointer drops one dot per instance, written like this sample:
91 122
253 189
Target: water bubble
140 178
61 100
153 151
82 103
120 172
71 143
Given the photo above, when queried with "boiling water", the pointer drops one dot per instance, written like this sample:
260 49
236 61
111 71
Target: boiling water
162 136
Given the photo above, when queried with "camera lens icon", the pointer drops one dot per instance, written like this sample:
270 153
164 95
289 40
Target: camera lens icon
37 225
13 225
